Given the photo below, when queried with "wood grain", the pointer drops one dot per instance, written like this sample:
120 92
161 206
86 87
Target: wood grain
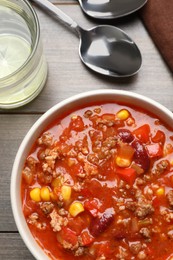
68 76
13 248
13 129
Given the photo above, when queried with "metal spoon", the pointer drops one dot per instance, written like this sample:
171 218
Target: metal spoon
109 9
104 49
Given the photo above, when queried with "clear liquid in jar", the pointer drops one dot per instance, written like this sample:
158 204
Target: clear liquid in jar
15 41
14 51
23 69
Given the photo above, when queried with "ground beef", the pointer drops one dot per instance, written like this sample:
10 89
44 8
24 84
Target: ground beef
88 113
76 249
90 169
142 255
168 217
33 219
44 177
32 162
57 221
80 251
68 246
106 122
143 208
170 197
46 139
77 187
145 232
135 248
93 158
104 153
28 175
122 253
63 212
131 205
139 181
170 234
46 207
46 168
161 167
110 142
59 171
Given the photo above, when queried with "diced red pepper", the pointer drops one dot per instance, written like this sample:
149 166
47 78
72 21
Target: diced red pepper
69 236
104 249
86 192
156 202
127 174
154 150
92 206
159 137
79 223
86 238
159 200
142 133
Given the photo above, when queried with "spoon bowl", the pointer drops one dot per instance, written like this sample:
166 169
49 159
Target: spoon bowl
115 54
110 9
105 49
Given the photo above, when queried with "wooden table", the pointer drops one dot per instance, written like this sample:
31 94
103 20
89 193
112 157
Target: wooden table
68 76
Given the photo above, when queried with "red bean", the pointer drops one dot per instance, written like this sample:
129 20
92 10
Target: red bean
125 135
140 156
100 224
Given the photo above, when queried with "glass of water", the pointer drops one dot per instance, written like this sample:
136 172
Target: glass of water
23 69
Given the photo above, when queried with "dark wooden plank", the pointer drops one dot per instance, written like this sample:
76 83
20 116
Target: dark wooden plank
68 76
12 130
13 247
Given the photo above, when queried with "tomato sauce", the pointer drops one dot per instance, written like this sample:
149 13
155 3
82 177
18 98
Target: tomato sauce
98 184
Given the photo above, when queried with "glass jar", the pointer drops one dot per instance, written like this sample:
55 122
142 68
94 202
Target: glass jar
23 69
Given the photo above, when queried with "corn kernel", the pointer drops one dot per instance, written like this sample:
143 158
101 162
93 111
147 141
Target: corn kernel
66 192
57 182
160 191
123 114
76 208
53 196
35 194
121 162
45 194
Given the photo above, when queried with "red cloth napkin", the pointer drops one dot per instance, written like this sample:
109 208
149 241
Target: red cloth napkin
157 16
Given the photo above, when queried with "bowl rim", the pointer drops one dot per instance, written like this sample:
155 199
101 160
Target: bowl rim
28 239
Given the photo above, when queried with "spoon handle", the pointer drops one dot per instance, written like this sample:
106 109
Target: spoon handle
58 14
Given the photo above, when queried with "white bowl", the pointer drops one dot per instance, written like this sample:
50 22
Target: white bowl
86 98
